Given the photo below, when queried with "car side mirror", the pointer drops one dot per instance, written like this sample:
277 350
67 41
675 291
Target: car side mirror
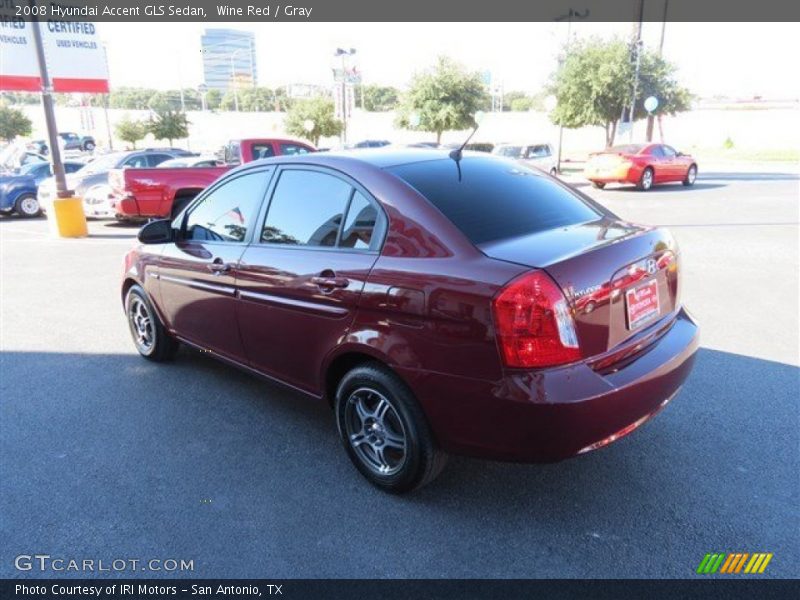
156 232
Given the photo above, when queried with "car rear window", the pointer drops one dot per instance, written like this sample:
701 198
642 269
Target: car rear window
495 199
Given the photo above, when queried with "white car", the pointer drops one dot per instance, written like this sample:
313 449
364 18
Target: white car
539 155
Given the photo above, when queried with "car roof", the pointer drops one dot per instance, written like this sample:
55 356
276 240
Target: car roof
381 158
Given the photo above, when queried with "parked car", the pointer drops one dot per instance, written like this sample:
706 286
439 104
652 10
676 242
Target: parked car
433 321
643 165
537 155
91 182
157 193
71 141
18 192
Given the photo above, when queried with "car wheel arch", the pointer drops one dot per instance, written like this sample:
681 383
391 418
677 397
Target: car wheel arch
345 360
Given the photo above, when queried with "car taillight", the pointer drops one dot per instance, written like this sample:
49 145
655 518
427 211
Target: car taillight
534 324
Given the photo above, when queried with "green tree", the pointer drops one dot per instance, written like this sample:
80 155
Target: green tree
169 125
131 131
594 85
13 122
317 110
444 98
378 98
213 99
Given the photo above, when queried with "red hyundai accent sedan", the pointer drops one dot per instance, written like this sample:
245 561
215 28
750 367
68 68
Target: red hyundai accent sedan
441 304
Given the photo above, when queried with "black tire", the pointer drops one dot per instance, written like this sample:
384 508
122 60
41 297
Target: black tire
27 205
160 346
691 175
419 461
88 146
598 184
553 172
646 179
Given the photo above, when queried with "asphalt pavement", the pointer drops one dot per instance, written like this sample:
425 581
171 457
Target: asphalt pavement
106 456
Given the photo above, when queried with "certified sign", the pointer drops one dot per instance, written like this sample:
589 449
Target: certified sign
642 303
76 59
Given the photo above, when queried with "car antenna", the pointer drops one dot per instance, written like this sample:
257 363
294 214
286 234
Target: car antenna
456 154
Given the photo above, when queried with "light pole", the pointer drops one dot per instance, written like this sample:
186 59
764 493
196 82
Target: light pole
343 54
233 79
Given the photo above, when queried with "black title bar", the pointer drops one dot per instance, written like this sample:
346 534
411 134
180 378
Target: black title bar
489 11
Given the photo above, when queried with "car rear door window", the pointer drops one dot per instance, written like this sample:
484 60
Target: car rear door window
227 213
72 167
361 223
307 209
491 199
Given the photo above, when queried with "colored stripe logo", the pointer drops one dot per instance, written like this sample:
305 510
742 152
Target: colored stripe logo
734 562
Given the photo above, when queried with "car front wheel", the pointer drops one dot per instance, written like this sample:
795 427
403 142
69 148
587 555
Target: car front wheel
691 176
149 335
384 431
27 206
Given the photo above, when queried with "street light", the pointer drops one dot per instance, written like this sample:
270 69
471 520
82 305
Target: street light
343 54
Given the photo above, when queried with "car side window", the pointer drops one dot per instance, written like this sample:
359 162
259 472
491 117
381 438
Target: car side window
668 151
361 224
539 151
657 152
307 209
293 149
154 160
262 151
228 212
136 162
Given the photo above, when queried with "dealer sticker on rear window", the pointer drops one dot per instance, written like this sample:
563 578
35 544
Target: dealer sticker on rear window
642 304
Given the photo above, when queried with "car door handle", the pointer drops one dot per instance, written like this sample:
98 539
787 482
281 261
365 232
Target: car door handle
219 266
331 282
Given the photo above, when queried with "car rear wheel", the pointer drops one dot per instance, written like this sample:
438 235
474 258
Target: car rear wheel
646 180
598 184
149 335
384 430
27 206
88 146
553 171
691 175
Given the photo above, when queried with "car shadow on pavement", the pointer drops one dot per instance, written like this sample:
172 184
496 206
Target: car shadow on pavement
111 450
667 188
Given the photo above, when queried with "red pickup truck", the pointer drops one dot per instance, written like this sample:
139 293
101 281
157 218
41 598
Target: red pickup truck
162 192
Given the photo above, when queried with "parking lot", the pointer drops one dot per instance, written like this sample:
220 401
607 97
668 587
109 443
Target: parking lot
104 455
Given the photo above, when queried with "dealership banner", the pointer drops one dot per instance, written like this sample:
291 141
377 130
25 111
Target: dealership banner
76 59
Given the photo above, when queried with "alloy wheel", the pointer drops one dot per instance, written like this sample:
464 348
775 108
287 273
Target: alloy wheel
141 324
375 432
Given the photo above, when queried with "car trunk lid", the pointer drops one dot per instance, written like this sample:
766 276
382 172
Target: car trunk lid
617 277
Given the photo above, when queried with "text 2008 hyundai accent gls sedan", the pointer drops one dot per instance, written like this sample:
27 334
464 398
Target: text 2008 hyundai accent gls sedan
441 304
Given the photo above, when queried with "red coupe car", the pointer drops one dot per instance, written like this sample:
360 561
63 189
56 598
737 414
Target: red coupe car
643 165
440 303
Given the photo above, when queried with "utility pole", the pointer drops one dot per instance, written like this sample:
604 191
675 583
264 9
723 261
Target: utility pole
651 118
49 113
637 49
571 14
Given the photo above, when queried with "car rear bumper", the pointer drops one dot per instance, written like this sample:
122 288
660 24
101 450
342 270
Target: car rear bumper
620 174
552 414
